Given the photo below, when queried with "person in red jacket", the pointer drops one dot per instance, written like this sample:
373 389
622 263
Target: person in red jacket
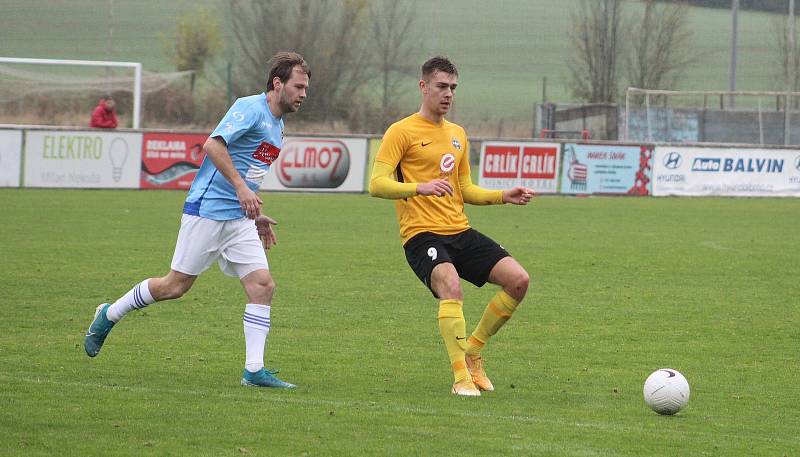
104 115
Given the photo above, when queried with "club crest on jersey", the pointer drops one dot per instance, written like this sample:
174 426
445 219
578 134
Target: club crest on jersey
266 153
456 143
447 163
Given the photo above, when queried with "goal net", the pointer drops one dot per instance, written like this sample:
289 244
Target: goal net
28 84
749 117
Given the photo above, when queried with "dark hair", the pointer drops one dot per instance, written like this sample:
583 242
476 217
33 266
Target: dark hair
438 63
282 64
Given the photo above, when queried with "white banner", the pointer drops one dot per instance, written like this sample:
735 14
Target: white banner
87 159
10 157
726 171
509 164
319 165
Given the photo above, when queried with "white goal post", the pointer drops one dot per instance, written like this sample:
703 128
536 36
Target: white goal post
786 96
137 79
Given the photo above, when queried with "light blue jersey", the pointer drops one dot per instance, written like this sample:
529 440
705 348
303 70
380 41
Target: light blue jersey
254 138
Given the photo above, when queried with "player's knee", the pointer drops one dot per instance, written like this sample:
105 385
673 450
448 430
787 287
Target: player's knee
173 285
260 289
451 288
518 284
176 289
267 286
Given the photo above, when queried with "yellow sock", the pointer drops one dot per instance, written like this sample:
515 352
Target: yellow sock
497 313
454 331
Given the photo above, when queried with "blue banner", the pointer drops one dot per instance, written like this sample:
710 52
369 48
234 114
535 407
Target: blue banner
606 169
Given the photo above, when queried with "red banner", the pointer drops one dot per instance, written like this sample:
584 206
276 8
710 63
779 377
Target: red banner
171 160
508 164
501 161
539 163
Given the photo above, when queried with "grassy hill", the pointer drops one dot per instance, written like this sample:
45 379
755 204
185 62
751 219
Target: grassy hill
503 52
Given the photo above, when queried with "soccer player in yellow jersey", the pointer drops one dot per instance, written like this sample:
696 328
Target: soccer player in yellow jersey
423 164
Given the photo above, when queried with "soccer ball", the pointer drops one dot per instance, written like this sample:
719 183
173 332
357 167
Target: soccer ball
666 391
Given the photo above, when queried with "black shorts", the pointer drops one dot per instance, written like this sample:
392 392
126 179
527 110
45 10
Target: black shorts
471 252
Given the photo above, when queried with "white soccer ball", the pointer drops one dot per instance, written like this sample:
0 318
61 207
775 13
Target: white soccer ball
666 391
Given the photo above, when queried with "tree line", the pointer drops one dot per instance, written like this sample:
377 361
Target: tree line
359 52
613 48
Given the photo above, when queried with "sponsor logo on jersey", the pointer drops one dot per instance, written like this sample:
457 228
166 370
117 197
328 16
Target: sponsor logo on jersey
447 163
456 143
255 175
266 153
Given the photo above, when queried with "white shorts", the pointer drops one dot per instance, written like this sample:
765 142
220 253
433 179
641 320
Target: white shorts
234 244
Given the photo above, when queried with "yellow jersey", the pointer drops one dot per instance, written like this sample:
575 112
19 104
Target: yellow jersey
420 151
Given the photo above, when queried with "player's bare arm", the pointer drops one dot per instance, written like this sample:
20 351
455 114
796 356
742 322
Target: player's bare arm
518 195
219 155
265 231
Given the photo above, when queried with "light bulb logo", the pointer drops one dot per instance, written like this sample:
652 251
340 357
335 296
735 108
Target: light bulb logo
118 153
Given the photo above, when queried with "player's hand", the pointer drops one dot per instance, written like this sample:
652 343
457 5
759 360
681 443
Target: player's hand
437 187
518 195
250 201
264 227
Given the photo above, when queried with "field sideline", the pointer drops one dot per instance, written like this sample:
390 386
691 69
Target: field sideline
621 287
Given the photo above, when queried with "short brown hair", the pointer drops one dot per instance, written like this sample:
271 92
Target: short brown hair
438 63
281 65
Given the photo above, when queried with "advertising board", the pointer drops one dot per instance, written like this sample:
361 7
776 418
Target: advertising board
756 172
509 164
82 159
606 169
10 157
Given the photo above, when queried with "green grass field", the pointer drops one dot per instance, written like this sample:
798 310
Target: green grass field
503 51
621 287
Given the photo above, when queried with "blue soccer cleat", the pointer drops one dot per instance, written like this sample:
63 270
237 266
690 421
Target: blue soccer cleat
98 331
264 378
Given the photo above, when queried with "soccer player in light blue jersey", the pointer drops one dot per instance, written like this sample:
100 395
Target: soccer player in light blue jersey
222 217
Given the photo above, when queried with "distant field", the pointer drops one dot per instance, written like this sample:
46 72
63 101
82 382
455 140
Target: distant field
503 52
621 287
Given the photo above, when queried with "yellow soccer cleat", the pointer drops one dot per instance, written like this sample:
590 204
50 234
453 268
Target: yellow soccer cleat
466 388
475 368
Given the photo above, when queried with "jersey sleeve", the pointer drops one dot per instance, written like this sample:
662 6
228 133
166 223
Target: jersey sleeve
463 166
393 146
238 120
381 183
473 194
